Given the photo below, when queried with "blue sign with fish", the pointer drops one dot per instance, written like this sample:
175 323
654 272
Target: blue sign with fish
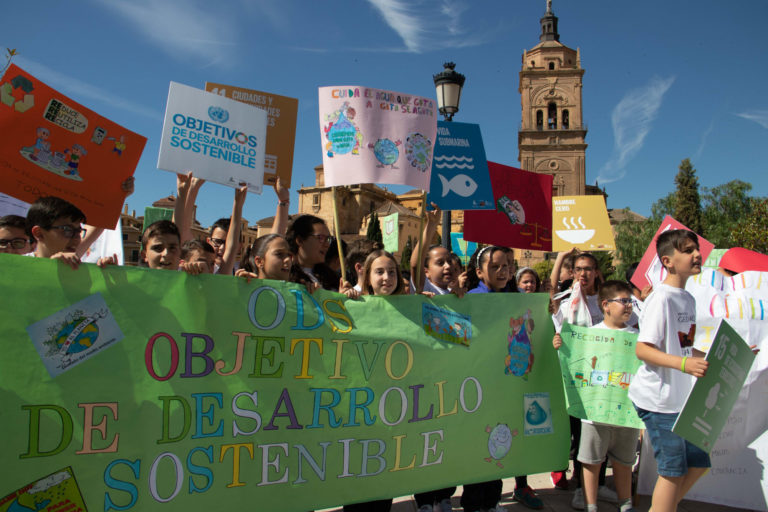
460 179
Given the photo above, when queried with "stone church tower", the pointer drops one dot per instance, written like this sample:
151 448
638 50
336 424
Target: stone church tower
552 136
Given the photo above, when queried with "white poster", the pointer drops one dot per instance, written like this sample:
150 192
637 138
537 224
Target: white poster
740 455
219 139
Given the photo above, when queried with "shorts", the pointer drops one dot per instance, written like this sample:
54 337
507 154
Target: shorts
673 454
597 440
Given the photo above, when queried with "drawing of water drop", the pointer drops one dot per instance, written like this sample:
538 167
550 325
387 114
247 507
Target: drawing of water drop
535 415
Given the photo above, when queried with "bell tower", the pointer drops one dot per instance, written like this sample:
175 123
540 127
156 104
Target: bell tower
552 135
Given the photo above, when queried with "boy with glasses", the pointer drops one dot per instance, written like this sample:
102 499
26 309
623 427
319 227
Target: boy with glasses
13 238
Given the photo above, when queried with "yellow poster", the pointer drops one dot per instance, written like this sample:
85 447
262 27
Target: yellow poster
582 222
281 127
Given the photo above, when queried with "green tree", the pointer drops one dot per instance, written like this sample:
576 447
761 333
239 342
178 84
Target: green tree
632 239
374 229
723 207
405 257
687 200
544 269
750 232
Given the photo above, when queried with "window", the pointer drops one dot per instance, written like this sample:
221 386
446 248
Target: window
552 116
315 199
566 120
551 65
539 120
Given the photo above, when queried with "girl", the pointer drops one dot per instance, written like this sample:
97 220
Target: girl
269 257
528 280
488 273
309 240
381 276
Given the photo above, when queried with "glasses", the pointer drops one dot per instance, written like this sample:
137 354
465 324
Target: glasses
624 301
14 243
579 270
69 231
217 242
323 239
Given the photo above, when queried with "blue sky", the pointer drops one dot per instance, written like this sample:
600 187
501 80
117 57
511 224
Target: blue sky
664 80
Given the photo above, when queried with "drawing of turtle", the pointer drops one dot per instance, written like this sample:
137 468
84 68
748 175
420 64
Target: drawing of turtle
418 151
499 442
386 152
519 360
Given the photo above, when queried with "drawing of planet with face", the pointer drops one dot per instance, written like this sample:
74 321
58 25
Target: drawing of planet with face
386 151
499 442
418 151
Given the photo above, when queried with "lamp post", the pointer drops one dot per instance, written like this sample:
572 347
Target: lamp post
448 84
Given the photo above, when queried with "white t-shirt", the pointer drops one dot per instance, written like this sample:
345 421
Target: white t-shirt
592 305
669 323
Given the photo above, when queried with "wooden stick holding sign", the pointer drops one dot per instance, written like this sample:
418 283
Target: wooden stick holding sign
420 245
337 233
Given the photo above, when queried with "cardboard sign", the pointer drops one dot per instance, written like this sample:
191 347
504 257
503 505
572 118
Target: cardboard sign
54 146
374 136
463 249
650 270
281 127
218 139
200 381
581 222
390 230
597 367
523 218
712 397
460 179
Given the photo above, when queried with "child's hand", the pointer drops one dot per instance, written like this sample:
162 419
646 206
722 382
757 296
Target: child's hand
557 341
645 292
70 258
283 194
196 183
182 183
240 194
696 366
347 289
428 294
128 186
433 216
241 272
106 260
194 268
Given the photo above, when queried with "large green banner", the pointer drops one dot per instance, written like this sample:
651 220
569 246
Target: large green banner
597 366
144 388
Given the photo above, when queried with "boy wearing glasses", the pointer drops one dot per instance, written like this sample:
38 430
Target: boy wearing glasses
598 439
13 238
55 225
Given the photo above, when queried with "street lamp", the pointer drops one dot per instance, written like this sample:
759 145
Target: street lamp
448 84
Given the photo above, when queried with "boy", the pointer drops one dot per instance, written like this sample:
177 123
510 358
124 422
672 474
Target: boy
13 238
160 245
599 439
55 226
659 389
198 257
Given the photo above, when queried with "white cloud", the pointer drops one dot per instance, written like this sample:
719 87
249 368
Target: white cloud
79 89
704 137
758 116
422 24
180 28
631 119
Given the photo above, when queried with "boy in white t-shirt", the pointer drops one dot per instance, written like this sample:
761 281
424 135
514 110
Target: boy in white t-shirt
599 439
662 383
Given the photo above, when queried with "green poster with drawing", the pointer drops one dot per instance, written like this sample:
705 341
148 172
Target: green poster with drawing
155 388
390 231
712 397
597 366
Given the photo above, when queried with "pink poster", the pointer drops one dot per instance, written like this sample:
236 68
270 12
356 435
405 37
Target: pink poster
650 270
375 136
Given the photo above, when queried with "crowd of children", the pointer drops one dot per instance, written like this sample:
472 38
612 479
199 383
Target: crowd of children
299 252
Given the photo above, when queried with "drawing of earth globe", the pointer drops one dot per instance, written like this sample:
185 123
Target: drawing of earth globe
386 151
342 135
82 341
500 441
417 150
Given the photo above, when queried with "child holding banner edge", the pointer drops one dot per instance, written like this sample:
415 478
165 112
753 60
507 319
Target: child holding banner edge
663 381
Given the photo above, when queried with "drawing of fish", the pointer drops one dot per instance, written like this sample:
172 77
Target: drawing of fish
460 184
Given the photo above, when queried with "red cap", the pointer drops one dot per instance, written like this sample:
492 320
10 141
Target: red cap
739 259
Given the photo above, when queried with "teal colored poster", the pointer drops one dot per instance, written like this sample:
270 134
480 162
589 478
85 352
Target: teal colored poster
463 249
712 397
189 392
597 366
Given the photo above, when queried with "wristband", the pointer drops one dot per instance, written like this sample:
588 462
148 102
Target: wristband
283 203
682 365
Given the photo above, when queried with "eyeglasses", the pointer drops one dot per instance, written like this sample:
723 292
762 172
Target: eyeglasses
69 231
218 242
578 270
622 300
323 239
14 243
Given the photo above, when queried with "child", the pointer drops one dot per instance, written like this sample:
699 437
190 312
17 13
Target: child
310 239
660 387
490 275
160 246
598 439
269 257
13 238
199 257
55 225
355 260
528 280
438 271
381 276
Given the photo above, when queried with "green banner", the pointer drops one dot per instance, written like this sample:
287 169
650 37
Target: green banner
712 397
597 366
151 388
390 230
